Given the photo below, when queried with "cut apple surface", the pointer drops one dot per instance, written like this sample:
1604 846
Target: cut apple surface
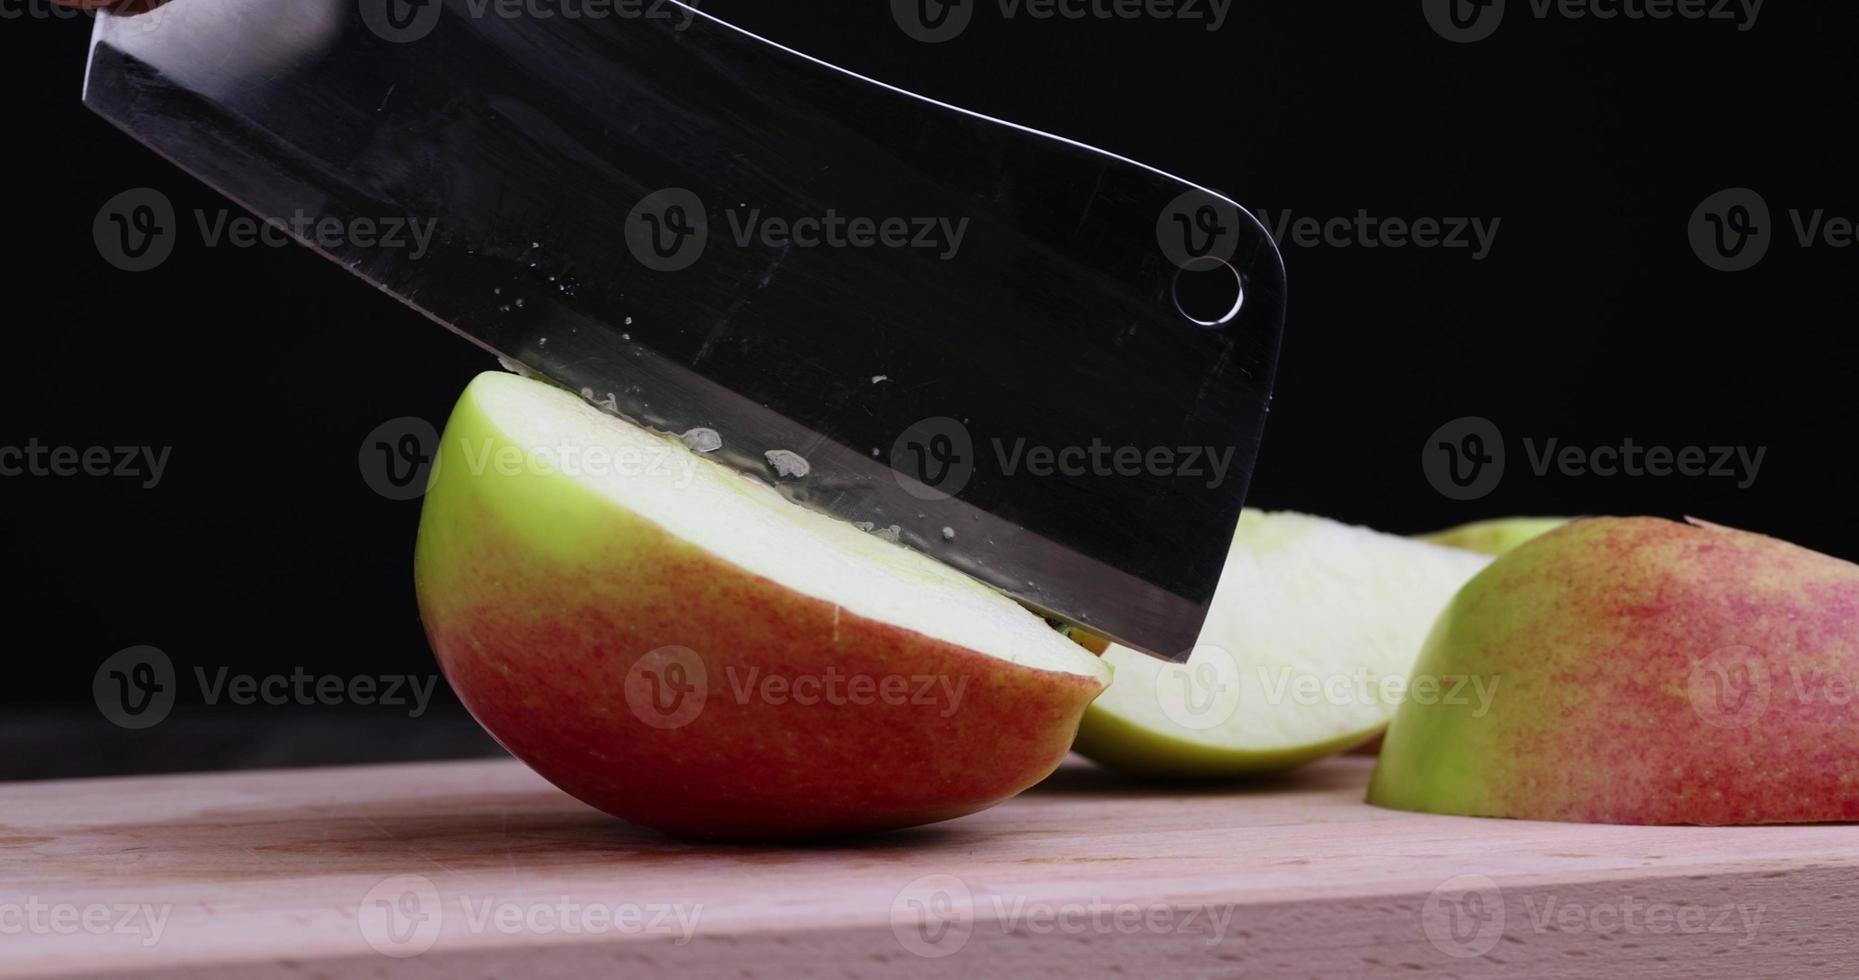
677 644
1645 672
1305 653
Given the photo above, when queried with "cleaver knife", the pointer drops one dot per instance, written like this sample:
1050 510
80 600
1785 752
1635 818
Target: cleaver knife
1043 364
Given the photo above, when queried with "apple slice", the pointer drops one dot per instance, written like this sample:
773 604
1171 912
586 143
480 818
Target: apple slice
1305 653
1646 672
680 646
1494 537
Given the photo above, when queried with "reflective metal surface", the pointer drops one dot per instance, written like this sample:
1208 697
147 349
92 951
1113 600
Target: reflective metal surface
968 330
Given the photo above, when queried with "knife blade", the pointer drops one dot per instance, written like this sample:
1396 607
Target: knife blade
1041 363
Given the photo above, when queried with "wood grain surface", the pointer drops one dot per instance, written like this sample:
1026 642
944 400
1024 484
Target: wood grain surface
480 869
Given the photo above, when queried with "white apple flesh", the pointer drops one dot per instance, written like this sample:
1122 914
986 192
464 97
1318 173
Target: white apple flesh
1305 653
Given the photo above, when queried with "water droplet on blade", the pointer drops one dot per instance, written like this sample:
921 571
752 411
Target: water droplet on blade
787 464
702 440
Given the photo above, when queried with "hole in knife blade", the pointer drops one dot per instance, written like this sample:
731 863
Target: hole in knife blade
1208 291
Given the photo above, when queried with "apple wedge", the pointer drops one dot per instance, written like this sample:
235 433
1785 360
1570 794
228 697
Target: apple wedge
678 645
1647 672
1494 537
1304 654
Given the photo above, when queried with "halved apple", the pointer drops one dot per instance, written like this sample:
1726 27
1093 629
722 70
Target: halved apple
1305 653
1652 673
680 646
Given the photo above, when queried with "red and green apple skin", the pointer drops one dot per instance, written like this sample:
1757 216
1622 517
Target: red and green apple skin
1492 537
1645 672
539 595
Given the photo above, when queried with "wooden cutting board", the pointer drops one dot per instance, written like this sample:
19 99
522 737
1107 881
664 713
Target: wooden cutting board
480 869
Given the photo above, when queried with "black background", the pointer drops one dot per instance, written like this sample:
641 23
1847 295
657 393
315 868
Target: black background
1590 321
